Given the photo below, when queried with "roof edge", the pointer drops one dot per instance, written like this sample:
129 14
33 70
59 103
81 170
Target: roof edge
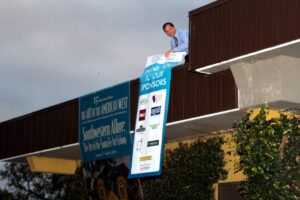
207 7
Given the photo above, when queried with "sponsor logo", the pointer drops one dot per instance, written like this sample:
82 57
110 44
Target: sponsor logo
155 110
154 126
143 101
145 158
153 143
156 98
144 167
139 144
141 129
142 114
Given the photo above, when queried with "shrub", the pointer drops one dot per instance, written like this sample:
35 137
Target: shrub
269 156
189 172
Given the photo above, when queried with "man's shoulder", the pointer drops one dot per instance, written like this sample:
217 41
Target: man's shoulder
183 30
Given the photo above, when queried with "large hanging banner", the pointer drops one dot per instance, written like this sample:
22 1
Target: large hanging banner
148 147
104 128
105 144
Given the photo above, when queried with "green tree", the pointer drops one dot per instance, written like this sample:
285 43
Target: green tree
26 185
269 156
6 195
75 186
189 172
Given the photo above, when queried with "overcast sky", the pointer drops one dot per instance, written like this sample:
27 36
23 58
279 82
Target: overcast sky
52 51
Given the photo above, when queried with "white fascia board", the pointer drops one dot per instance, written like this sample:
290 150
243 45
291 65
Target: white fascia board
38 152
131 132
209 69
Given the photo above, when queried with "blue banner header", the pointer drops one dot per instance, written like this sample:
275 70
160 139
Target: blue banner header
104 124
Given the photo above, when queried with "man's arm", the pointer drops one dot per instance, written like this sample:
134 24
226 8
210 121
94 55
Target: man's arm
167 54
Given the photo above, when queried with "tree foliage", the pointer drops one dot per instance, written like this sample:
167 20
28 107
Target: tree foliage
189 172
22 184
269 156
27 185
75 188
6 195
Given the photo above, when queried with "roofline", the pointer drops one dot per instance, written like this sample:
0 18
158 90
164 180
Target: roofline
206 68
208 6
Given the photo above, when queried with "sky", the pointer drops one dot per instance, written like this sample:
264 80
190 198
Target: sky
52 51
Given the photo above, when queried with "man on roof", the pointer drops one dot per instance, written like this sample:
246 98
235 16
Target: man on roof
179 39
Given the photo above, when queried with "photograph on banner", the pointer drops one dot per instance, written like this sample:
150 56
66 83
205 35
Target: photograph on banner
148 146
104 123
107 180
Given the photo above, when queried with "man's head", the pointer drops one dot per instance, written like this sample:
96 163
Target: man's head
169 29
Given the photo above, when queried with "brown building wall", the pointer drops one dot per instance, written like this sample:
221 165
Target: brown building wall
192 94
51 127
229 28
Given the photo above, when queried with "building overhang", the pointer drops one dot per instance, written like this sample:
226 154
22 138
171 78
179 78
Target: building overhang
290 49
53 164
201 126
268 75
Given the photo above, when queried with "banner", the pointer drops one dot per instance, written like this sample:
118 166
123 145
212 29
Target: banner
148 147
104 125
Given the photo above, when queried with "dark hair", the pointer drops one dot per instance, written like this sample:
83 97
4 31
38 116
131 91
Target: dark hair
166 24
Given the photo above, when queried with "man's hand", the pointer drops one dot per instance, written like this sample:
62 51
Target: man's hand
167 54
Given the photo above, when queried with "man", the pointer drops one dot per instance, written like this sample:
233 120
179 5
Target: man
179 39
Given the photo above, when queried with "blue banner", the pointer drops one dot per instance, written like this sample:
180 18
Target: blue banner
152 112
104 124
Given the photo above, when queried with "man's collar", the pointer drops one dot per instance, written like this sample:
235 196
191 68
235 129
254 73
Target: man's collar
176 34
